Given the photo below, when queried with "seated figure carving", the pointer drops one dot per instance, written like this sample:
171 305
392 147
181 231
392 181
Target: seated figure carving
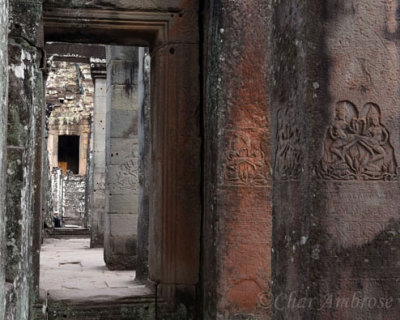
359 148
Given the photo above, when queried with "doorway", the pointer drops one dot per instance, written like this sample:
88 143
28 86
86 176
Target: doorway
174 205
68 153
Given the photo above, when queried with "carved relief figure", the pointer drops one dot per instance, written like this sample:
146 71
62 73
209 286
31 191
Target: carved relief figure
358 147
246 163
127 175
288 156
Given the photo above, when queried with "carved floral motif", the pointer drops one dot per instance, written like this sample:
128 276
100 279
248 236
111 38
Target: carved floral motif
357 145
246 162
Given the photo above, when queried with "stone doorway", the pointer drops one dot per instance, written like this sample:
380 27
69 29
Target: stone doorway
94 95
175 143
68 153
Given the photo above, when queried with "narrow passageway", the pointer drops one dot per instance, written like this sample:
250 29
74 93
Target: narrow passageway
71 271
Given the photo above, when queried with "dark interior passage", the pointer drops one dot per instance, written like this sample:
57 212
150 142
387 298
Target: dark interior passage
68 153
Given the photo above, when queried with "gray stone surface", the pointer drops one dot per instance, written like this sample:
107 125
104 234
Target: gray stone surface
3 135
122 185
68 197
142 269
98 203
74 189
24 142
72 272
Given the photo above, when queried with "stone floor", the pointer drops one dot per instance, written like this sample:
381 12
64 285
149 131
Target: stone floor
71 271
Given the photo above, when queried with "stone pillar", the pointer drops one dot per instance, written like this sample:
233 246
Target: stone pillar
237 205
142 270
98 193
84 145
335 103
24 142
3 135
175 175
122 159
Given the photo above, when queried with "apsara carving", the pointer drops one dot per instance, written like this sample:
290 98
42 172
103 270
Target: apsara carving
357 145
288 157
246 162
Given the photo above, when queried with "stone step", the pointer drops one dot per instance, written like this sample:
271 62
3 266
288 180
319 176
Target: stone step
67 233
104 311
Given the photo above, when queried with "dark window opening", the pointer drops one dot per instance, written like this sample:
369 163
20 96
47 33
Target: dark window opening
68 153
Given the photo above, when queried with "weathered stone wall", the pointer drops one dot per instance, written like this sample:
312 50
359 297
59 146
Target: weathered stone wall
237 204
24 153
69 99
70 82
74 187
3 135
335 108
68 197
69 93
56 194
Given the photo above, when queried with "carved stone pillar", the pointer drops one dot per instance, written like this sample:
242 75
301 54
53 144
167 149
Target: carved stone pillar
142 270
237 218
97 191
335 101
24 153
122 158
3 135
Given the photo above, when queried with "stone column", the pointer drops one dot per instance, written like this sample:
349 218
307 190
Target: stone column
237 204
122 158
84 145
142 270
3 135
335 103
98 162
24 142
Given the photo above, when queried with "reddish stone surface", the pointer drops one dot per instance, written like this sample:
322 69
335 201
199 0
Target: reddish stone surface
238 210
334 102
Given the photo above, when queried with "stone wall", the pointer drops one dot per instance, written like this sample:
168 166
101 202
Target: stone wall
69 94
69 99
74 187
24 153
68 197
71 83
335 108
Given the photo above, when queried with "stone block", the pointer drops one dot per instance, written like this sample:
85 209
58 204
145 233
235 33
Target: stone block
123 150
123 179
99 180
124 124
99 160
127 204
122 97
123 225
124 53
122 73
120 241
99 125
100 91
